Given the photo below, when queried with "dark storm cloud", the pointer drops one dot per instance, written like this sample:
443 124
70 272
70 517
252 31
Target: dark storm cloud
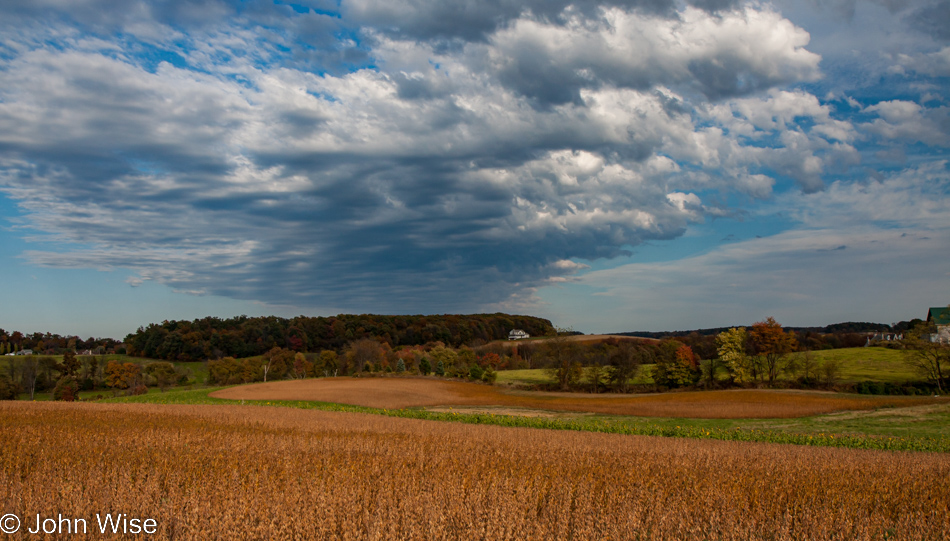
421 178
933 19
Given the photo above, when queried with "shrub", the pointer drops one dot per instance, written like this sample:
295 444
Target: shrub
475 372
67 389
424 366
8 389
489 376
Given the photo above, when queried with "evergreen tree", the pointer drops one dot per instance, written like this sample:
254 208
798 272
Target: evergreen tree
70 363
440 369
424 366
475 372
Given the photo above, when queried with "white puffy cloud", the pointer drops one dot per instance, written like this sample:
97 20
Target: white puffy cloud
723 55
908 121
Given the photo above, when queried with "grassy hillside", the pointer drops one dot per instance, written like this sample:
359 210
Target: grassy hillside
870 363
857 364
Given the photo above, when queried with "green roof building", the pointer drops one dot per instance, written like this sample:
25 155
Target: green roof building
940 316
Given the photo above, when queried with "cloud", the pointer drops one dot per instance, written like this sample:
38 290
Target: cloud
461 20
734 53
399 165
858 251
908 121
933 18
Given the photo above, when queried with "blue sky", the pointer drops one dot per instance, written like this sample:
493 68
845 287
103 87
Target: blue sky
616 165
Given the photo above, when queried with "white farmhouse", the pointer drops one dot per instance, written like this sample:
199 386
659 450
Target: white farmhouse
517 334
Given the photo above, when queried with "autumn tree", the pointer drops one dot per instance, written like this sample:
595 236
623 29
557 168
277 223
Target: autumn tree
731 346
594 376
67 389
47 365
29 372
490 359
771 344
276 362
563 358
625 361
928 358
90 369
8 388
329 362
463 364
164 374
676 364
301 366
831 370
806 367
224 371
251 370
444 357
123 375
363 351
679 369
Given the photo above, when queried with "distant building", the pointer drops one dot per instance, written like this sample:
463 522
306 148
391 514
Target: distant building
25 352
940 317
884 337
517 334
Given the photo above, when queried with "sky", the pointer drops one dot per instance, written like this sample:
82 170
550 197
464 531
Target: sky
610 165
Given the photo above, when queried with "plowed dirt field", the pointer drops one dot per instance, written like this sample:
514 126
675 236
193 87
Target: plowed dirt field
393 393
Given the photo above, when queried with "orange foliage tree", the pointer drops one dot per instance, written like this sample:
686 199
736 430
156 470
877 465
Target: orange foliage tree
771 344
123 375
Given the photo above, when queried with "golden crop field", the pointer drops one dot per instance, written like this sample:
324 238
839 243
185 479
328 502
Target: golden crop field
244 472
408 392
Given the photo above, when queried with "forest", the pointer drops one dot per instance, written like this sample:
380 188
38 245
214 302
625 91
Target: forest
214 338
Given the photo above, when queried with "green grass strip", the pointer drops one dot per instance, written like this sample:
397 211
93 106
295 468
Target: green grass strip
607 426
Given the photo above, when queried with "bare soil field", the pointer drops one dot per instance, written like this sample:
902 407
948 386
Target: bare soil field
246 472
394 393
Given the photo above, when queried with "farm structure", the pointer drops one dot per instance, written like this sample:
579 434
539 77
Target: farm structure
940 317
518 334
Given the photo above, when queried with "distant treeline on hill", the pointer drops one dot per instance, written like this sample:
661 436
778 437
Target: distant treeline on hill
848 327
243 336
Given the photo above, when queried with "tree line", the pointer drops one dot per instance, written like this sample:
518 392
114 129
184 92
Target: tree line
54 344
758 355
243 336
64 377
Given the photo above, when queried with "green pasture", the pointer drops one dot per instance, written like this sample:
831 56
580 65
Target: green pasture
868 363
540 376
857 364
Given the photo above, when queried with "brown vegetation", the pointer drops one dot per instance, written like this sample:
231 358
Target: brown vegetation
408 392
210 472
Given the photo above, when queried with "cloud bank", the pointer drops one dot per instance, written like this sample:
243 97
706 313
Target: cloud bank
413 155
